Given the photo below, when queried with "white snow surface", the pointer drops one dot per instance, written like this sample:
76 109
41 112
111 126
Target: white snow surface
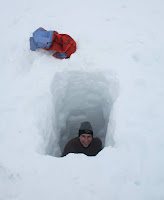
115 80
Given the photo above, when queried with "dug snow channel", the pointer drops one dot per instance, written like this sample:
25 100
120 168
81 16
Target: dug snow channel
78 97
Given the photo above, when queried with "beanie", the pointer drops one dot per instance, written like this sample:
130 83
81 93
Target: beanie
85 128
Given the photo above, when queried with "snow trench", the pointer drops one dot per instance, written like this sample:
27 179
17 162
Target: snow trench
78 97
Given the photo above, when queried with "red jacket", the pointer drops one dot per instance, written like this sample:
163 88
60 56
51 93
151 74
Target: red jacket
62 43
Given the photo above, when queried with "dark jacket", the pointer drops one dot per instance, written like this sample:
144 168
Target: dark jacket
75 146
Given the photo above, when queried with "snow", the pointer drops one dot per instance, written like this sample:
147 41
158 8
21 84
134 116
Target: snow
115 80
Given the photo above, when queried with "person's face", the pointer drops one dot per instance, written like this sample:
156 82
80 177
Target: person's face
85 139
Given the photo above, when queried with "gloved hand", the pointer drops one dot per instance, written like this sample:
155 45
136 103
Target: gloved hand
60 55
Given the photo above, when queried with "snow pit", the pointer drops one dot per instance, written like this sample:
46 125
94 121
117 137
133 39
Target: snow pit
78 97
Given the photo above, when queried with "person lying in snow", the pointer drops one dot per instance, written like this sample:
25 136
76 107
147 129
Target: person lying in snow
85 143
63 44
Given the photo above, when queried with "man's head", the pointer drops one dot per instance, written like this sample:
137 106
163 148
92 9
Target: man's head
85 134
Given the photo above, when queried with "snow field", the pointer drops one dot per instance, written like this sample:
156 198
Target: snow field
115 78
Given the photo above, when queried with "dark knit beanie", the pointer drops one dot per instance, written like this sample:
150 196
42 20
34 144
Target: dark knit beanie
85 128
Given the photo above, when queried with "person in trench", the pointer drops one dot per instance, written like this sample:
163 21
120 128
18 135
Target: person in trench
85 142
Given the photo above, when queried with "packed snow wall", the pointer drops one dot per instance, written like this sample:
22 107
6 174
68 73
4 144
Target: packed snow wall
78 97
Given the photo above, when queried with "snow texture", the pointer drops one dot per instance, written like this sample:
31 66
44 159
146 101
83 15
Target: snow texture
115 80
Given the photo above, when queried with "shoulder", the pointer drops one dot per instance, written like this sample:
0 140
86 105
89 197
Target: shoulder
97 142
70 146
73 141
